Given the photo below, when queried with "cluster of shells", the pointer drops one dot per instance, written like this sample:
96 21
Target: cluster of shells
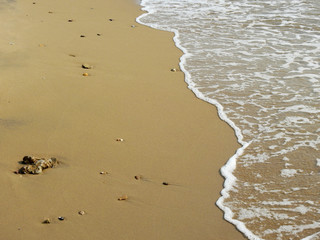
34 165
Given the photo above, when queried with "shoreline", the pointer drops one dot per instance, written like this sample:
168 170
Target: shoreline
129 93
226 170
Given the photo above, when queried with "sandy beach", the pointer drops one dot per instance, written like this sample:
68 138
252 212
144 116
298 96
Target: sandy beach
84 83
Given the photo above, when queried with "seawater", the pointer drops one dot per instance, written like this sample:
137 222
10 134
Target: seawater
258 61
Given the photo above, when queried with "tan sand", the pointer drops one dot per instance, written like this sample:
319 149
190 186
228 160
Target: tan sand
49 109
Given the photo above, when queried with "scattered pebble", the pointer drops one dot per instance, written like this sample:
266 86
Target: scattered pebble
133 26
98 34
165 183
46 221
85 74
50 12
123 198
82 36
81 212
119 139
61 218
110 19
70 20
33 3
173 70
138 177
103 173
86 66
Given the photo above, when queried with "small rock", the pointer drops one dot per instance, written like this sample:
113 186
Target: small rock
86 66
82 36
72 55
123 198
173 70
29 160
165 183
46 221
103 173
138 177
61 218
50 12
133 26
70 20
85 74
110 19
81 212
119 139
98 34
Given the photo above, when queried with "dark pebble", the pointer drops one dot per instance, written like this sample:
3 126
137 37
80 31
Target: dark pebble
61 218
165 183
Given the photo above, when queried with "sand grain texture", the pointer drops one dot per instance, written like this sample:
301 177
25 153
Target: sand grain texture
49 109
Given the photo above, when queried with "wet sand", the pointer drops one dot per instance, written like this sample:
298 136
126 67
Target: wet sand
48 108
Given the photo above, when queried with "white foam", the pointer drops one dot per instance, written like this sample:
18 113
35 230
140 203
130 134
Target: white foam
288 172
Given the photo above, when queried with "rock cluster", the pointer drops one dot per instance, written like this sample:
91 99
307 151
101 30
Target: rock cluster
36 165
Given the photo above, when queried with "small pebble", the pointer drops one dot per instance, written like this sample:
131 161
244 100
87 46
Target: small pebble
133 26
173 70
165 183
85 74
110 19
72 55
103 173
61 218
98 34
123 198
81 212
70 20
137 177
119 140
50 12
46 221
86 66
82 36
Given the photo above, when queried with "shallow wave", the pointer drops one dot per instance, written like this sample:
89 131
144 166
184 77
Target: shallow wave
258 62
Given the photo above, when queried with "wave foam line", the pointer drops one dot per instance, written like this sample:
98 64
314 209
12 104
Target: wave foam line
228 168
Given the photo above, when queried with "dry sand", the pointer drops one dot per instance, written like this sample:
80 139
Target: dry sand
49 109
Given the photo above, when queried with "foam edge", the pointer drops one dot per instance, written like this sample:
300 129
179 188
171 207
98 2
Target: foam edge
228 168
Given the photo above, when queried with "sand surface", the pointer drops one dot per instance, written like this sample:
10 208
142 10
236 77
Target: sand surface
49 109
